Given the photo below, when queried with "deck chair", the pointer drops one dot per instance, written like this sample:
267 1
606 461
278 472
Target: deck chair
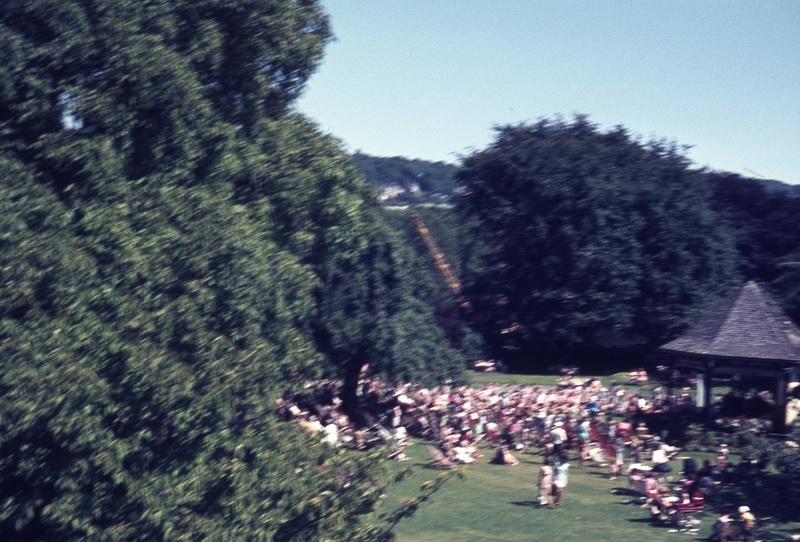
684 511
439 460
596 455
644 486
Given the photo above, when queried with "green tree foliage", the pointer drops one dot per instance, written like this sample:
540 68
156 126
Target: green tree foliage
174 244
368 309
455 240
787 285
773 487
138 81
767 224
132 354
592 235
766 220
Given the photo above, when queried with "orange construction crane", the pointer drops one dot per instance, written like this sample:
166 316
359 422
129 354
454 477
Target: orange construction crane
442 263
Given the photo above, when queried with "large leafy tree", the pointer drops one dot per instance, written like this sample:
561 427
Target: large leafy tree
368 308
591 236
766 223
767 227
172 241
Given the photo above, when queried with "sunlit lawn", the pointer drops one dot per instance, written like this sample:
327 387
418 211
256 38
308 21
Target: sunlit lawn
498 503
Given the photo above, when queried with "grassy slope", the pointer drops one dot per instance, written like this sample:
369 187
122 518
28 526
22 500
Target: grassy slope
498 503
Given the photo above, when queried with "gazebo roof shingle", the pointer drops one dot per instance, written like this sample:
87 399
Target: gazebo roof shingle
748 324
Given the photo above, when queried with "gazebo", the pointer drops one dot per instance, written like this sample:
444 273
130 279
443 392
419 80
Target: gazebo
747 334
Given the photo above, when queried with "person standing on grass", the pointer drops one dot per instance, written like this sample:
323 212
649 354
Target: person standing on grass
583 432
615 462
722 521
722 456
546 484
561 479
558 438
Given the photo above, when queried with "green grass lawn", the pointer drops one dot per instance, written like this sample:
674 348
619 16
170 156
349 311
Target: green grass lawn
498 503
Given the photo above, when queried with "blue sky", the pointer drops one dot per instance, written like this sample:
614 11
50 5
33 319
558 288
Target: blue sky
430 78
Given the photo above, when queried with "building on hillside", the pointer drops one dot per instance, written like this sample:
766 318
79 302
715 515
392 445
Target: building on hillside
391 191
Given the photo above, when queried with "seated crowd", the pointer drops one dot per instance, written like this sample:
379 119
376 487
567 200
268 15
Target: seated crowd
457 418
575 415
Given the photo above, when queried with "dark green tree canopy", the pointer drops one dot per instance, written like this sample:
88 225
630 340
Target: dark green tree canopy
174 242
154 87
766 219
591 235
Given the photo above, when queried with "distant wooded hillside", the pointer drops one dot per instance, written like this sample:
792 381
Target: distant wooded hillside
765 216
408 182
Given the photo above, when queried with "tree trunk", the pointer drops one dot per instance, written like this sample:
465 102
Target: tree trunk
349 397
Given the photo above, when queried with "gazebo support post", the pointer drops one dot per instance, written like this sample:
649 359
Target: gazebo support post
704 387
700 398
671 366
779 413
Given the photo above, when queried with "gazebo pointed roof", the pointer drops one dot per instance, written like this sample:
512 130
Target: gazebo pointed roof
747 325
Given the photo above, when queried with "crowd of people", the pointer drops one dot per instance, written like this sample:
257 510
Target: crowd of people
516 415
597 424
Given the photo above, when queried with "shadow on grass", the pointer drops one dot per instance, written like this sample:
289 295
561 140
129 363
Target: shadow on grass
525 503
598 473
772 496
624 491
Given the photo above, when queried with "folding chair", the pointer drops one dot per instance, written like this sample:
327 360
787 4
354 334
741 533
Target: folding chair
438 459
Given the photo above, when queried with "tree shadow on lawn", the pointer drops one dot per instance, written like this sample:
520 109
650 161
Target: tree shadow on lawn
773 496
598 473
660 525
643 520
625 492
526 503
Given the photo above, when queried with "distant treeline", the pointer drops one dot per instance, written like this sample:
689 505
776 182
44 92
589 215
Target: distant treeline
778 187
435 181
573 240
